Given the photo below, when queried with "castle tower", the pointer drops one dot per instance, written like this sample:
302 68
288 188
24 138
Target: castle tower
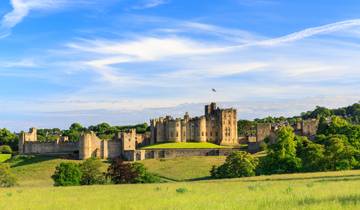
85 146
202 129
24 137
177 131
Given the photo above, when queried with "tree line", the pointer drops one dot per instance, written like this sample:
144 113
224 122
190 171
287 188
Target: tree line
335 147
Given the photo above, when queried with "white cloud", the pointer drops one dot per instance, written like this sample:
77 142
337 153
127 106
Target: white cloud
150 4
309 32
21 8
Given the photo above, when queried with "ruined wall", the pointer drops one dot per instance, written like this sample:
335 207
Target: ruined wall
309 127
263 130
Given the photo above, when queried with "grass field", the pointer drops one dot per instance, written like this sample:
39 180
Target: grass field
333 190
4 157
35 171
185 145
184 168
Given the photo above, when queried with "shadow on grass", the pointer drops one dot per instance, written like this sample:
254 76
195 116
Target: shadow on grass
340 179
343 200
22 160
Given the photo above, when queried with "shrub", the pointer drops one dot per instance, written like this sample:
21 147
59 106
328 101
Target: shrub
237 164
120 172
67 174
7 179
91 172
5 149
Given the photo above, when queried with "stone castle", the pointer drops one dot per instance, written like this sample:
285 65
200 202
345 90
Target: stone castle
218 126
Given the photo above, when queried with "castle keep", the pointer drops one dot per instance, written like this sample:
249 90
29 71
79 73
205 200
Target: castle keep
217 126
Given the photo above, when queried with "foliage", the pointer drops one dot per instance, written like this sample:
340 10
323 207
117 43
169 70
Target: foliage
281 156
7 179
67 174
91 172
5 149
311 154
120 173
8 138
246 128
237 164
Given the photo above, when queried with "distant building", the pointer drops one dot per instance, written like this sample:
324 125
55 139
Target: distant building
217 126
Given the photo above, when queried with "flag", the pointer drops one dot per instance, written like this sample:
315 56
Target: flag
213 89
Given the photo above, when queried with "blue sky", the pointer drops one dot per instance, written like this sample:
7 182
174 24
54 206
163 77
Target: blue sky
125 61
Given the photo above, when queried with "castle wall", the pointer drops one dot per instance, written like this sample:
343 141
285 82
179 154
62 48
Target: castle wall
173 153
114 148
33 147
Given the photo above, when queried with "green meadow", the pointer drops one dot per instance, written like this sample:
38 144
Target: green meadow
324 190
312 191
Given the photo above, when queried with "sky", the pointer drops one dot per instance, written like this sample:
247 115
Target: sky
126 61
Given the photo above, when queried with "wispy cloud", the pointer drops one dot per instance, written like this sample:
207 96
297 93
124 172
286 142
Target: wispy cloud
146 4
309 32
22 8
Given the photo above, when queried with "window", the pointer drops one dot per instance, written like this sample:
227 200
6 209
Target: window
202 133
210 133
177 134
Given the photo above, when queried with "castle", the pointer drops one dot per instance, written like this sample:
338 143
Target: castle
217 126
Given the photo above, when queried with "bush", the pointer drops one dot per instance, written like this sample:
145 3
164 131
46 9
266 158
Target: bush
120 172
5 149
237 164
7 179
67 174
91 172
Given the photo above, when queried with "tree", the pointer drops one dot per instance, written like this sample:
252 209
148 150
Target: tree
91 172
339 153
7 179
121 173
311 154
67 174
5 149
8 138
281 156
237 164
